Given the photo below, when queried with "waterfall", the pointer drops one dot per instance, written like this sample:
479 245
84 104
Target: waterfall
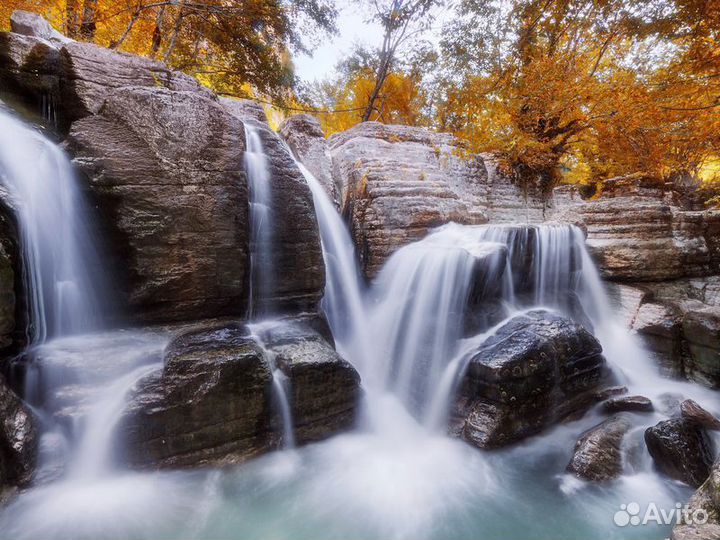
261 254
64 279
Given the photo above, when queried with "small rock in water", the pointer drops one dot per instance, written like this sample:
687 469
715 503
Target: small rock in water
692 411
681 449
598 454
628 403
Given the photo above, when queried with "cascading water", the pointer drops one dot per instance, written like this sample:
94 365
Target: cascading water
78 377
398 475
261 264
64 278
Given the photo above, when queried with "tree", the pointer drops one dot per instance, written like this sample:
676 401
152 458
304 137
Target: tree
231 45
401 20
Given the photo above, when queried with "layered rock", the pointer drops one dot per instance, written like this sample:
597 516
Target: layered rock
397 182
18 439
163 160
597 456
537 369
324 389
298 270
165 167
705 503
305 137
633 224
681 449
213 402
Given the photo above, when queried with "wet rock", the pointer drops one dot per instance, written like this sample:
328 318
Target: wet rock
164 167
628 403
305 137
690 410
627 300
210 404
324 389
244 109
537 369
19 439
298 269
598 456
681 449
398 182
705 500
213 402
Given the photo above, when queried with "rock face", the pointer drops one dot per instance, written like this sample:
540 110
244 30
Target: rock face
298 278
163 160
681 449
18 439
632 224
597 456
165 167
690 410
397 182
537 369
213 402
324 389
706 499
307 140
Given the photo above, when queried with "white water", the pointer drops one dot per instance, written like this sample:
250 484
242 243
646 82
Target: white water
261 216
398 475
64 279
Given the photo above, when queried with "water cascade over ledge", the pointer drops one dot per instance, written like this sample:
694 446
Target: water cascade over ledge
409 333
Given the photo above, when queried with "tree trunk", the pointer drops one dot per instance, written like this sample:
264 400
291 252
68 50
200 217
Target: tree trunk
88 25
176 32
157 32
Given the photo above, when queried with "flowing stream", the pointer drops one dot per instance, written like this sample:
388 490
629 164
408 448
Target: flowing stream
398 475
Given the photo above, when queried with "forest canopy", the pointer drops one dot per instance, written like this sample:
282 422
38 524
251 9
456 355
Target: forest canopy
562 90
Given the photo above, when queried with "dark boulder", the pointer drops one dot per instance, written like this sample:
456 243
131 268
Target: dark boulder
681 449
211 403
537 369
18 439
628 403
598 456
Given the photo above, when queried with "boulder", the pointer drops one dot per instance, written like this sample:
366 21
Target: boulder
705 504
210 404
165 168
681 449
32 24
214 401
18 439
628 403
598 456
537 369
690 410
323 389
305 137
627 300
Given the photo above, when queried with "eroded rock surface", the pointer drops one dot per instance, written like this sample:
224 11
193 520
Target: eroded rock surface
597 456
681 449
537 369
18 439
